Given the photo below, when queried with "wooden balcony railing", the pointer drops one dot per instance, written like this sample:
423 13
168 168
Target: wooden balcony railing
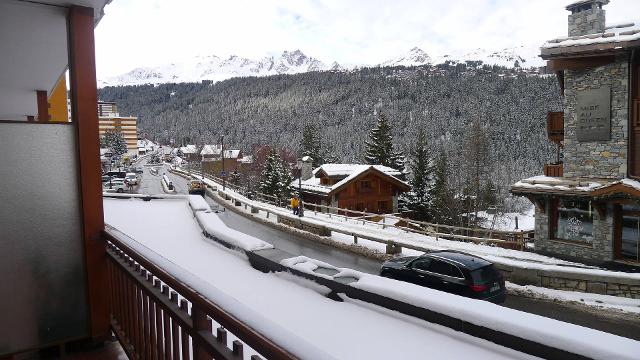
554 170
555 126
156 316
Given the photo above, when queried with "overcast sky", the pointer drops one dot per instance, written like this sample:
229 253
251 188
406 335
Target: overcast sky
136 33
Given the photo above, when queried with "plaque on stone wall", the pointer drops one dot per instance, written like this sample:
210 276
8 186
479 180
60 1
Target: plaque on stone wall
594 115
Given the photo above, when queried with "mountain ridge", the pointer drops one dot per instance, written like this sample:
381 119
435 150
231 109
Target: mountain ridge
215 68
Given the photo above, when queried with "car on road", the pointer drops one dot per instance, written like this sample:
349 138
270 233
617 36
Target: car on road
139 170
451 271
197 187
106 178
117 174
115 185
131 178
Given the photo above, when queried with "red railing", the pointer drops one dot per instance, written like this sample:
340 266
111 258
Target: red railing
156 316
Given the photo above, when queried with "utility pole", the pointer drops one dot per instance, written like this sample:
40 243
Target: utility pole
300 189
224 181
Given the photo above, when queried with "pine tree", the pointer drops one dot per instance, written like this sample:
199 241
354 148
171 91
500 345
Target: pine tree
441 200
114 140
476 158
275 178
419 200
312 146
379 148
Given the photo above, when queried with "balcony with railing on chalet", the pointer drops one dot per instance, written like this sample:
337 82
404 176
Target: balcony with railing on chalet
555 133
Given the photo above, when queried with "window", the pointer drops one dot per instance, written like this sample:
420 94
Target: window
382 206
444 268
573 220
421 264
365 186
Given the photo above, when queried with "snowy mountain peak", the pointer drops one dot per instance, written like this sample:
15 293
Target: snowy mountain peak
413 57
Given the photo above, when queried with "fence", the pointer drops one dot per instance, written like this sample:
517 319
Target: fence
505 239
155 316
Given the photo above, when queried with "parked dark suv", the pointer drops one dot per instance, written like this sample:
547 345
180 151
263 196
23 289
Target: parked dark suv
450 271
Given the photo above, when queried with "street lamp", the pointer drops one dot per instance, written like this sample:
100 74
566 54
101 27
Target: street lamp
299 163
224 177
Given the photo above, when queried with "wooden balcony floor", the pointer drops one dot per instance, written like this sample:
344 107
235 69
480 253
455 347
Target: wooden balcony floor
110 350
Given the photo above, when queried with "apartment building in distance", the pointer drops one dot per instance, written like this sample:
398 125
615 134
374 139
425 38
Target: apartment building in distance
110 119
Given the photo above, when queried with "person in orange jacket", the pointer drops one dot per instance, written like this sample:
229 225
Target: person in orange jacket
295 205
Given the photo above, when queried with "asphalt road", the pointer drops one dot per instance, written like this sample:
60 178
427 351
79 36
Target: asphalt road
620 324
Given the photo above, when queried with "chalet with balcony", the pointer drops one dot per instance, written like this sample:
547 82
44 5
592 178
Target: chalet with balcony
370 188
588 203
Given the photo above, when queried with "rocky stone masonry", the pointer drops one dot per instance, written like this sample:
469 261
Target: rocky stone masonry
586 22
599 250
597 159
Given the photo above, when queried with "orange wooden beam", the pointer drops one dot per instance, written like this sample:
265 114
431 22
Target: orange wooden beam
84 113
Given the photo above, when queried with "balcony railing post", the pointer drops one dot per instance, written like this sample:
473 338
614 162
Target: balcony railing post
158 325
183 335
175 330
200 323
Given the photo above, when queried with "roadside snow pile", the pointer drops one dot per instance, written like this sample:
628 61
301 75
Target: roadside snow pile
198 203
589 299
569 337
214 227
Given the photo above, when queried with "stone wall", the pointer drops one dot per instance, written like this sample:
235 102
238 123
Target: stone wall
571 281
598 159
587 22
601 249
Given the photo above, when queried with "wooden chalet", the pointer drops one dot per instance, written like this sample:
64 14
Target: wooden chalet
371 188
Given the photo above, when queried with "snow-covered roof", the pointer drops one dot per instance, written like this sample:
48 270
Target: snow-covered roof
350 171
347 169
246 159
581 187
614 37
584 2
214 149
231 154
189 149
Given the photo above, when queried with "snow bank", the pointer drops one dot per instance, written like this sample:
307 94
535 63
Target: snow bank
198 203
573 338
589 299
214 227
165 184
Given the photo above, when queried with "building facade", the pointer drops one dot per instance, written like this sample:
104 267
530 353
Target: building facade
369 188
588 201
110 119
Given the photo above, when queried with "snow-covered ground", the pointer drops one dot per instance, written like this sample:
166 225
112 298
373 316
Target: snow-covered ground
507 221
346 330
589 299
296 313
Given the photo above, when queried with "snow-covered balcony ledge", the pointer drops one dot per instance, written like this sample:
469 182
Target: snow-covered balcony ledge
586 187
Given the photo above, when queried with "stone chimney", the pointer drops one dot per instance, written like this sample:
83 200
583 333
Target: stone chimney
307 167
587 17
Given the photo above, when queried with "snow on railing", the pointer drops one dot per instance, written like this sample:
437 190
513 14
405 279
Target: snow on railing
156 315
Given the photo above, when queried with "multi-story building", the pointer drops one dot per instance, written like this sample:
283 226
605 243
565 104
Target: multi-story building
110 119
588 203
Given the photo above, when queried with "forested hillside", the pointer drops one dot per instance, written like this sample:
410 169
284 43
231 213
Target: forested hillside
511 105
